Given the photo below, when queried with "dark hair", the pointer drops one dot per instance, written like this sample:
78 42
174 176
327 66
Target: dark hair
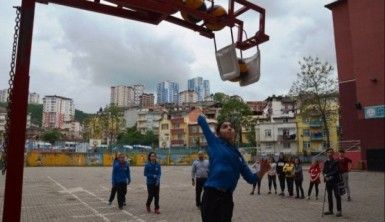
149 154
341 151
218 128
299 160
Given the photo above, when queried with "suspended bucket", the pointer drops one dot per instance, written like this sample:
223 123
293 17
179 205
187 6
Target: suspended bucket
253 72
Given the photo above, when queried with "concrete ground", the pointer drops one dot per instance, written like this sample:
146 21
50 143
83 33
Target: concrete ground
81 193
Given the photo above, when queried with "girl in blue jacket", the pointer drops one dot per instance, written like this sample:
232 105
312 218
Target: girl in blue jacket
152 173
226 165
121 178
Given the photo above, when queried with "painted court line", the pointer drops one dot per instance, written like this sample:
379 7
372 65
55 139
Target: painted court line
97 213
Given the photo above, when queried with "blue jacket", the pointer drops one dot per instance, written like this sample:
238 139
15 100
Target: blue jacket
152 172
226 162
120 173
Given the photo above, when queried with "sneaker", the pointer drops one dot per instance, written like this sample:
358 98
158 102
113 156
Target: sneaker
328 213
259 193
281 194
148 208
349 199
269 192
252 193
308 197
275 192
157 211
124 204
109 203
121 208
338 214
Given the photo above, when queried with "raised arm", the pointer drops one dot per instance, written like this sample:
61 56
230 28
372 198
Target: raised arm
210 137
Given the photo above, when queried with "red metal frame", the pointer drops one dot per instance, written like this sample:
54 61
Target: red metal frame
149 11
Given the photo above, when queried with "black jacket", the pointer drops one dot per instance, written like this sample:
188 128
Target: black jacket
331 171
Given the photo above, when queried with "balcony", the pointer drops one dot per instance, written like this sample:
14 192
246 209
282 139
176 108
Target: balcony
175 120
317 136
287 137
315 123
177 131
177 143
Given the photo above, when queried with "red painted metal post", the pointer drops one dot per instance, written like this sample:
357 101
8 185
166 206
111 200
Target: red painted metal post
18 116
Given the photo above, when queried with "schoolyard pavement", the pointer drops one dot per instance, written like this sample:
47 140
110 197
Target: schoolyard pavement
81 193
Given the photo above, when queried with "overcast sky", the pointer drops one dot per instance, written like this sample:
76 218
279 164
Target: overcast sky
80 54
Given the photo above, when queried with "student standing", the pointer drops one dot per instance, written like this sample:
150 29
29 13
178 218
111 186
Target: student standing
121 178
314 173
226 165
199 174
298 178
332 178
255 168
114 188
152 172
289 171
281 175
345 165
272 175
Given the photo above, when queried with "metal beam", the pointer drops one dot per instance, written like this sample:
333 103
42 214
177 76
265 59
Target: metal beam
18 116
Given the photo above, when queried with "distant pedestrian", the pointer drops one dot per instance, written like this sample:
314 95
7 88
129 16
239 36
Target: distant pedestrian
272 175
114 187
332 178
314 172
199 174
255 168
281 175
152 172
289 171
121 178
345 165
298 178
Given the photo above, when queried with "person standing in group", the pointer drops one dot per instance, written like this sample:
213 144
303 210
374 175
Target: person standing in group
289 171
281 175
298 178
314 172
152 172
255 168
114 188
272 175
345 165
121 178
226 165
332 178
199 174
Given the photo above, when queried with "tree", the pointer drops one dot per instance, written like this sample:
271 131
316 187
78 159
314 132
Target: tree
316 92
220 98
112 122
52 136
237 112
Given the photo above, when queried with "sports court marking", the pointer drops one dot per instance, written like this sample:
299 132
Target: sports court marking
96 213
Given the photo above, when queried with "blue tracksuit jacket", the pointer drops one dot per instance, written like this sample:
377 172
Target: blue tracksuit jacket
226 162
152 172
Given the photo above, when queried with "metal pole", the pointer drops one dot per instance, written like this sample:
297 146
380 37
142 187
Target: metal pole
17 127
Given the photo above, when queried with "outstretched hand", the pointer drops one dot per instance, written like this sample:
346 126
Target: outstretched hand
265 166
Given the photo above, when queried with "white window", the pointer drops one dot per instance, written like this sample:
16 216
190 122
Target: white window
268 133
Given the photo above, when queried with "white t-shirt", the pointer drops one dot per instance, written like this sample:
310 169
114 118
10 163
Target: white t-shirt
273 169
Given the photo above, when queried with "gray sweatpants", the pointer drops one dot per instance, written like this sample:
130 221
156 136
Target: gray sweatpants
345 177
